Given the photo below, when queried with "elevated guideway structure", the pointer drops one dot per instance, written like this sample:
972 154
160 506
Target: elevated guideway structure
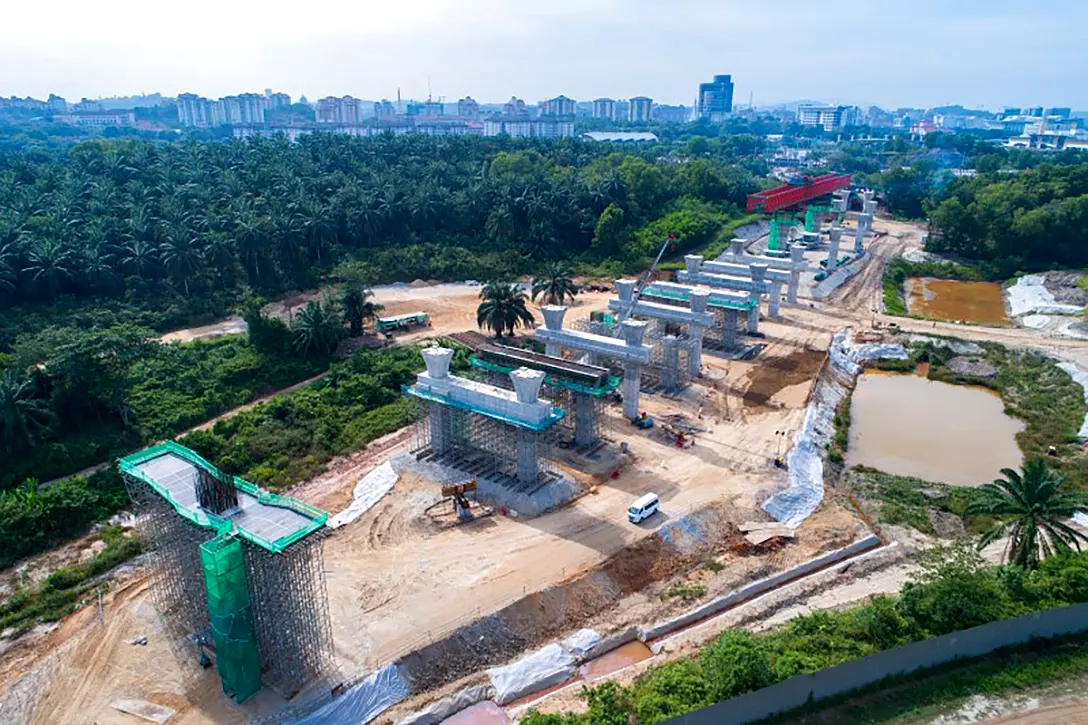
628 350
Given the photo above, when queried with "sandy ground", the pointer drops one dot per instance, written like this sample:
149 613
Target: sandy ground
397 580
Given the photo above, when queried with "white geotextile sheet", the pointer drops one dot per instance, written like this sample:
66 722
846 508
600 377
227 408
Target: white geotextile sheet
1030 295
805 462
547 666
581 642
368 492
363 702
806 477
1081 378
1036 322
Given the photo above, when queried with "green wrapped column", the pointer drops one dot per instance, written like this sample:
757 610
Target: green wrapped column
231 615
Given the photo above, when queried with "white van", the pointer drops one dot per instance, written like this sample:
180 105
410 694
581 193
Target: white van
643 508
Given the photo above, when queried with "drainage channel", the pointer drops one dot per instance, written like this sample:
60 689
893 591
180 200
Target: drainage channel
626 655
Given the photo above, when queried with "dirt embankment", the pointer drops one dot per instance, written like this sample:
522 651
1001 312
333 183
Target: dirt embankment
628 588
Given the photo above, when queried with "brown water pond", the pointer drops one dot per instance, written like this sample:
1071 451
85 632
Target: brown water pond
910 426
623 656
948 299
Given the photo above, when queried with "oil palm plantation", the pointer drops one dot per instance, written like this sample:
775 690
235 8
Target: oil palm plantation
554 285
23 415
503 308
316 329
1030 508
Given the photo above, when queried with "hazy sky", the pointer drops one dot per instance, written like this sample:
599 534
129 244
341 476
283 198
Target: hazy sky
909 53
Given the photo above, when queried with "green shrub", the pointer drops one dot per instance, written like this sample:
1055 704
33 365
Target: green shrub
670 690
735 663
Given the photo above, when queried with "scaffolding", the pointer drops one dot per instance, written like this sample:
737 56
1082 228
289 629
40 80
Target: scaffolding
483 447
236 569
582 390
667 371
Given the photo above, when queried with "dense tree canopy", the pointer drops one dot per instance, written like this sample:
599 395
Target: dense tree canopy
1028 220
181 228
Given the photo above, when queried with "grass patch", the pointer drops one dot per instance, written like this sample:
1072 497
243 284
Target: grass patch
684 592
836 451
905 500
938 691
65 590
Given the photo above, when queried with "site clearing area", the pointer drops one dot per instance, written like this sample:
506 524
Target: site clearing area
446 585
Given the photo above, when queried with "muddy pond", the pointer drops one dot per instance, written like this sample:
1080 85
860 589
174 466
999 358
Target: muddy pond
946 299
911 426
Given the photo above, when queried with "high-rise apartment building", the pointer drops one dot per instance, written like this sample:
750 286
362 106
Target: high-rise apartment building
715 100
558 106
384 109
515 108
639 109
346 111
604 108
467 107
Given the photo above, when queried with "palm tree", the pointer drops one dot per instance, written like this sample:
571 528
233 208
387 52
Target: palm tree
1030 508
503 308
357 308
23 415
316 329
554 285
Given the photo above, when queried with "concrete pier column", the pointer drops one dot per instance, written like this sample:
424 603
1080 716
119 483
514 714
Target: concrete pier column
759 275
695 351
736 248
438 419
553 320
670 374
693 263
753 317
774 299
698 299
729 329
833 249
528 459
583 420
797 257
869 207
625 289
633 332
632 381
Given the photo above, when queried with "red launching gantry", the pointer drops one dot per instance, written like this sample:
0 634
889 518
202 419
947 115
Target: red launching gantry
793 194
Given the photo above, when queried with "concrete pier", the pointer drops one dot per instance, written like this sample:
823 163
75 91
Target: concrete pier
670 372
583 420
630 350
833 250
729 330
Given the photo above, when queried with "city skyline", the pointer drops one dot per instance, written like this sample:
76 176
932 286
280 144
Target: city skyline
976 54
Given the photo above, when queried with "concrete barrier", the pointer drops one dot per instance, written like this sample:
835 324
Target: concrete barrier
850 676
757 588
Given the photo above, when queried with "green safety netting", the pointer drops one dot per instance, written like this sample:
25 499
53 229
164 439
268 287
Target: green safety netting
130 466
231 615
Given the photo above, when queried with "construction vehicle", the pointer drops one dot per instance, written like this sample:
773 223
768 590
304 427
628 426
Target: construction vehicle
677 436
645 279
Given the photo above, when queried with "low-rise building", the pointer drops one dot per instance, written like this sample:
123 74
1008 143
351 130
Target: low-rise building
829 118
98 120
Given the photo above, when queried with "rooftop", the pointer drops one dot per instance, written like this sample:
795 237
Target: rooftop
621 136
265 519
